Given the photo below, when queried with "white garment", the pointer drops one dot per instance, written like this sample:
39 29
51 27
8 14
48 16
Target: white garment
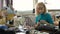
18 21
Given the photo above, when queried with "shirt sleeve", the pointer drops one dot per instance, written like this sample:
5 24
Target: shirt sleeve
36 19
50 19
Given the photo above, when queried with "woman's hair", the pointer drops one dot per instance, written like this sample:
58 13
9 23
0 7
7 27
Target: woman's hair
42 4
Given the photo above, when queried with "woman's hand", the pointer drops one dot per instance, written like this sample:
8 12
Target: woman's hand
44 22
35 25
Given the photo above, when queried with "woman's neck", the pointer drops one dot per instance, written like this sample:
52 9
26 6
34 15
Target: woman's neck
42 13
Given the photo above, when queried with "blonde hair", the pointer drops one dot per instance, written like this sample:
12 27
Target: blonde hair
38 4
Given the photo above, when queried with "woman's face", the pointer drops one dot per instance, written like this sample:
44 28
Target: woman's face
40 8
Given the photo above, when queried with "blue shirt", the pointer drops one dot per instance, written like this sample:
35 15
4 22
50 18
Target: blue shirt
47 17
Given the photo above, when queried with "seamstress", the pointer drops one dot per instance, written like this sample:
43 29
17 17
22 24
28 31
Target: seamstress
42 15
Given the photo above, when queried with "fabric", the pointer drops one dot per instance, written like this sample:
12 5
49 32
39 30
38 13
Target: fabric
9 10
3 27
10 13
10 16
2 21
47 17
46 28
28 21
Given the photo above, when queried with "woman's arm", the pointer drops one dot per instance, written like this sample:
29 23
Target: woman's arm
44 22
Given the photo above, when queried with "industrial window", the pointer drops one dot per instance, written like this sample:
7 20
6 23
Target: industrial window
51 4
23 5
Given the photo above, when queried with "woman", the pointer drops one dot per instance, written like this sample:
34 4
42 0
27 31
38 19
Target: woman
42 17
56 20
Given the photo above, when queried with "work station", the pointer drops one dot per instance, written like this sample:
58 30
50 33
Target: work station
29 16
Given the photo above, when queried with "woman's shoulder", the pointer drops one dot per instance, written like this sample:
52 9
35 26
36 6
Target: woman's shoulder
48 14
38 15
